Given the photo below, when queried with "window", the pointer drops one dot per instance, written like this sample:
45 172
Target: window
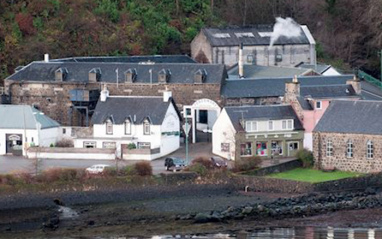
370 149
90 144
277 148
279 58
318 105
250 59
224 147
109 127
349 149
109 145
143 145
290 124
261 148
63 130
270 125
329 148
284 124
127 126
146 127
251 126
246 149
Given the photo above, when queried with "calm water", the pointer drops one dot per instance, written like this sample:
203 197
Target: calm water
292 233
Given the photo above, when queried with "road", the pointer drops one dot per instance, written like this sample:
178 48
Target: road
12 164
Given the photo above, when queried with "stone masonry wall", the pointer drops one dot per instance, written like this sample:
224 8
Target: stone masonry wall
252 101
54 100
358 163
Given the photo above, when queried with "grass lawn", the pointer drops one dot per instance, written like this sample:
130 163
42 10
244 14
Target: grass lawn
312 175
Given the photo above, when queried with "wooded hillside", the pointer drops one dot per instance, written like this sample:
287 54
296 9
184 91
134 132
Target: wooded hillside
346 31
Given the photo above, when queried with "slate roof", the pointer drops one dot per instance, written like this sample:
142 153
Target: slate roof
24 117
319 68
181 73
359 117
233 40
328 91
260 72
274 87
120 108
130 59
304 103
262 112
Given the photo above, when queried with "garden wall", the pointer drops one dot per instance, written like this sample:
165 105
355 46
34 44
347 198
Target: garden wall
71 153
282 167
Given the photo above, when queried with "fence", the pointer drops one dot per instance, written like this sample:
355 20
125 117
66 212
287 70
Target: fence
370 79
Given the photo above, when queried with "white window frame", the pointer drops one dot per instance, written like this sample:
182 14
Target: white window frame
127 127
370 149
319 102
284 125
270 125
224 147
146 127
109 127
329 148
349 149
290 124
251 126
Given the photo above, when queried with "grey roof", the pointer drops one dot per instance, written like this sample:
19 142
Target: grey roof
121 108
274 87
233 40
262 112
319 68
259 72
304 103
130 59
181 73
328 91
370 91
24 117
359 117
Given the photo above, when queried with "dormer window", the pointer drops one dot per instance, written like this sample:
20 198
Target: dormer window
200 76
130 75
164 76
318 105
270 125
251 126
95 75
146 127
61 74
109 126
128 126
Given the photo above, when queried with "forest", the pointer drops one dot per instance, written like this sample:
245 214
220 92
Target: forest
348 33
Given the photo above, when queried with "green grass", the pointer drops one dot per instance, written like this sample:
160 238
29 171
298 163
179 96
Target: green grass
312 175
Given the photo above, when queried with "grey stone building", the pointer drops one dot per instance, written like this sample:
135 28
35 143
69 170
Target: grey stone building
221 45
349 137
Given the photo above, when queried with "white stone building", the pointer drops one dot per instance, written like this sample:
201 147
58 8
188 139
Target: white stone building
23 126
137 127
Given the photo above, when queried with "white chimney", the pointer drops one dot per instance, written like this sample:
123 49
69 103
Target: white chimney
241 67
104 93
46 57
166 95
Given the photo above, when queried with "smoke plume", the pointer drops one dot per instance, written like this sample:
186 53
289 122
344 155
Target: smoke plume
284 27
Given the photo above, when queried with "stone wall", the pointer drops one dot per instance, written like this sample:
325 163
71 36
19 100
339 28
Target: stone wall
339 160
252 101
53 98
278 168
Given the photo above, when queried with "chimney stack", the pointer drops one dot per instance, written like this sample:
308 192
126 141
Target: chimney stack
166 95
356 84
46 57
241 67
104 93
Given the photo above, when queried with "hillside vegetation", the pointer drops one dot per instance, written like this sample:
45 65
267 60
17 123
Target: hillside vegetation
347 32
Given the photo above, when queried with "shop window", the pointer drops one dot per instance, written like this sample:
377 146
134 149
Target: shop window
246 149
277 148
261 149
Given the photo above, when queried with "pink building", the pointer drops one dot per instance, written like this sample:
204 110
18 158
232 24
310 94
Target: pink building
310 102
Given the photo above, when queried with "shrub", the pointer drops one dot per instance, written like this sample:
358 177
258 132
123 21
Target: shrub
131 146
110 171
207 163
57 174
25 176
8 179
143 168
129 170
65 143
246 164
306 157
198 168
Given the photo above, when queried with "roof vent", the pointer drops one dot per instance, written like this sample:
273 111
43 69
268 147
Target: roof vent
200 76
130 75
61 74
95 75
164 76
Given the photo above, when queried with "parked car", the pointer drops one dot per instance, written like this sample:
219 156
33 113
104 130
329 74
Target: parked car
174 164
219 162
97 168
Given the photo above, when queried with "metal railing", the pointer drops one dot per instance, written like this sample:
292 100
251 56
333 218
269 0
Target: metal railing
370 79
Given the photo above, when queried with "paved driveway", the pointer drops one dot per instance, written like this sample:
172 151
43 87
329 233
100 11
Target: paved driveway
11 164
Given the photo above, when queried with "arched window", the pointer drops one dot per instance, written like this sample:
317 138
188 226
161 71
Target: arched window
349 149
370 149
109 126
146 127
127 126
329 148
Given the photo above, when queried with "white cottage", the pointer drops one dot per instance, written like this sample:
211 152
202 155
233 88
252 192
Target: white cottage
138 127
23 126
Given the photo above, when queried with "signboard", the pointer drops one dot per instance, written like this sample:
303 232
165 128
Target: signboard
186 128
14 137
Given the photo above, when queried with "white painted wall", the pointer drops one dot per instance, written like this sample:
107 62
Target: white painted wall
171 123
308 141
331 72
223 132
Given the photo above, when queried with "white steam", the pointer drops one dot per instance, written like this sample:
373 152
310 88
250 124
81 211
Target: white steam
285 27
